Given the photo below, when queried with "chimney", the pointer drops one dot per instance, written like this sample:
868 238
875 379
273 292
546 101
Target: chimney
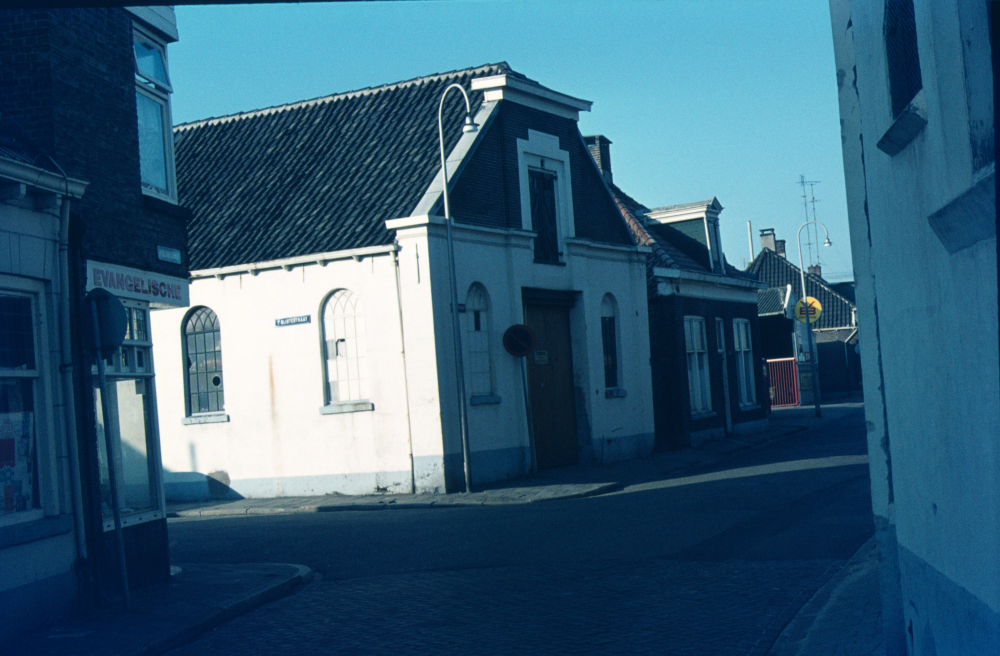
779 247
767 239
600 150
815 270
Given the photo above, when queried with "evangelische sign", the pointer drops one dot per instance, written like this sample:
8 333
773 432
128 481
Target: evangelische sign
138 285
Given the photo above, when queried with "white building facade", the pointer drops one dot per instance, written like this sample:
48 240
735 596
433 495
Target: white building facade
333 371
916 102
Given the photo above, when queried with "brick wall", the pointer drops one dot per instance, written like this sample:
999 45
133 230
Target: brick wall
671 398
487 193
67 77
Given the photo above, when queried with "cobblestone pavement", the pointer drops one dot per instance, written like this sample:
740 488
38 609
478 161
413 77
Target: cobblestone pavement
624 608
843 618
717 560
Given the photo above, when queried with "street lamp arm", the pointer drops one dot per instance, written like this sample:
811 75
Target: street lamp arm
444 165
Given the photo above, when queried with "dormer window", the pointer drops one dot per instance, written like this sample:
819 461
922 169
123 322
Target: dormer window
152 100
543 215
545 181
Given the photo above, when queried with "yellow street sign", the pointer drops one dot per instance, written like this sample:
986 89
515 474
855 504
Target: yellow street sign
815 309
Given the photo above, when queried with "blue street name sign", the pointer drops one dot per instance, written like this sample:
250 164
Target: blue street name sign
291 321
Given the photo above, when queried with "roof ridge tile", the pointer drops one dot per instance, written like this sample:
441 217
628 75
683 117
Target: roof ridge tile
322 100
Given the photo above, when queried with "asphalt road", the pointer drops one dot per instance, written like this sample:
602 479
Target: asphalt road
716 567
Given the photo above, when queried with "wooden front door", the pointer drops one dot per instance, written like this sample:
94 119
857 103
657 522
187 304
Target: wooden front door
550 386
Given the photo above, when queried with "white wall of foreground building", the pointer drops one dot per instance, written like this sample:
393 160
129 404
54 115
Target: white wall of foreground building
273 440
926 271
502 261
276 442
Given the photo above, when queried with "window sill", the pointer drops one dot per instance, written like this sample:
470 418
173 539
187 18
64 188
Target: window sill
615 393
549 263
206 418
695 416
341 407
747 408
906 126
484 399
133 519
32 531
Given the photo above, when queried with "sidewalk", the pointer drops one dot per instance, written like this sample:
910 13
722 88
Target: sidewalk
201 597
197 599
843 618
572 482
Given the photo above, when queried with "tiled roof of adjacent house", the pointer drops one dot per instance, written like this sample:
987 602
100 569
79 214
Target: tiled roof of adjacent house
671 247
777 271
315 176
771 301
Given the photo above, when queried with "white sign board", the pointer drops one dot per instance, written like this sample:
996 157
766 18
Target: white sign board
124 282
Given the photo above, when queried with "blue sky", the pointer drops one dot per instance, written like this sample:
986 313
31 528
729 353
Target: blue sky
733 99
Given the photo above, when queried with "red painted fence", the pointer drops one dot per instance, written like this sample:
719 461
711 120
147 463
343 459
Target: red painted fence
784 377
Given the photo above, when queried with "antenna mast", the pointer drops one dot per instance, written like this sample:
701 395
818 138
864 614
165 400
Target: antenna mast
805 204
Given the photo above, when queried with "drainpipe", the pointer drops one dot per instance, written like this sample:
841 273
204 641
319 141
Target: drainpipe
406 387
66 369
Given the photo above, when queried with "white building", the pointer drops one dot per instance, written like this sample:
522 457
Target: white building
317 356
916 104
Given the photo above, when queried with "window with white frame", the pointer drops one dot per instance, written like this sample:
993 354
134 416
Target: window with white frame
344 349
19 391
203 358
477 341
744 361
699 386
152 99
546 190
609 340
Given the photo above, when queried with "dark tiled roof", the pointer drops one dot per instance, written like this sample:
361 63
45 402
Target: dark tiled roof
777 271
670 247
316 176
631 204
771 301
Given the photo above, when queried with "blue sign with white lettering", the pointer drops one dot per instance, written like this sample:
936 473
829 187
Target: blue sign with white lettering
291 321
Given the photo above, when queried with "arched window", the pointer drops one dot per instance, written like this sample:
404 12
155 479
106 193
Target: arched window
203 358
609 337
344 348
477 341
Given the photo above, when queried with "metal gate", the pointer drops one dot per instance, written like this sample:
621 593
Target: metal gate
784 377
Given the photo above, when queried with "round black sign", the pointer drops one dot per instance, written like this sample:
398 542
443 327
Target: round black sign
519 340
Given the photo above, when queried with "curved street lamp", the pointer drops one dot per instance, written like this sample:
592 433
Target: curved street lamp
809 330
469 126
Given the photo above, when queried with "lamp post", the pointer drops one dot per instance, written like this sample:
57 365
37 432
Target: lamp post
809 330
469 126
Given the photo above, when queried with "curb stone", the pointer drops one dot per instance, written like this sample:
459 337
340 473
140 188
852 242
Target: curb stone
187 634
796 630
451 502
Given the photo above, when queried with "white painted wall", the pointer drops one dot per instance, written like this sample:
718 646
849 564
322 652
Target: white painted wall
503 262
277 442
933 337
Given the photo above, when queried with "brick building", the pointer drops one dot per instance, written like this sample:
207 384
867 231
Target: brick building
87 200
705 344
